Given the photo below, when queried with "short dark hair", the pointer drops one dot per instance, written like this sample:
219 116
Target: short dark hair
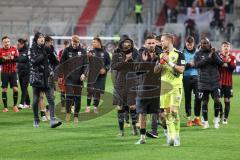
226 42
66 42
168 36
150 36
99 40
158 38
190 39
48 39
22 41
5 37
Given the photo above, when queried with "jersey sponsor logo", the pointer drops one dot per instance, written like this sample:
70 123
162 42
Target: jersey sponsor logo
173 58
70 54
183 62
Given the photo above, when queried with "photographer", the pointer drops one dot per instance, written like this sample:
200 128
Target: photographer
40 78
122 95
207 60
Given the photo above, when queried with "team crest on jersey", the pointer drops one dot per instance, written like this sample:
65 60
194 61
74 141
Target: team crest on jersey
183 62
102 55
70 55
79 53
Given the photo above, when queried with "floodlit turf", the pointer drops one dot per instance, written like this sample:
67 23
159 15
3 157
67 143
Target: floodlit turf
97 138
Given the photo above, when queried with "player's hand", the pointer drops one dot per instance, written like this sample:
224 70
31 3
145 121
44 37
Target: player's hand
229 60
225 65
191 63
153 55
144 56
82 77
103 71
60 80
89 54
128 57
6 57
165 58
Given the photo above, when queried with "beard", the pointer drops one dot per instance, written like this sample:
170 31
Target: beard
152 49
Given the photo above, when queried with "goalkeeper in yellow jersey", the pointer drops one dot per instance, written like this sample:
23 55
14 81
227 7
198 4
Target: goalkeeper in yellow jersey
171 64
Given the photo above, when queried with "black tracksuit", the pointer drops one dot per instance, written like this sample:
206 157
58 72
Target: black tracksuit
74 63
41 77
96 82
23 69
208 79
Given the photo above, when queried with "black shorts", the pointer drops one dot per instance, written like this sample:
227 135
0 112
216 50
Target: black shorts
204 94
148 106
9 78
226 91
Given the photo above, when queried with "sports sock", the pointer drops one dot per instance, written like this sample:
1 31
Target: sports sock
4 99
89 101
121 119
226 110
170 125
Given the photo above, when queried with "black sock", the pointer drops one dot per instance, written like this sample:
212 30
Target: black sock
4 99
220 110
217 108
89 101
63 99
126 114
95 102
205 112
143 131
226 110
42 113
121 119
133 115
15 98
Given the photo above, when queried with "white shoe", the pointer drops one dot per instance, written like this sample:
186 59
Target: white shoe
27 106
205 125
216 122
44 118
21 106
176 141
225 121
170 142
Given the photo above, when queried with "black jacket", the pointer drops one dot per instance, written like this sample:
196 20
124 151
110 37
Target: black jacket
41 69
99 59
149 83
23 64
208 74
74 63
